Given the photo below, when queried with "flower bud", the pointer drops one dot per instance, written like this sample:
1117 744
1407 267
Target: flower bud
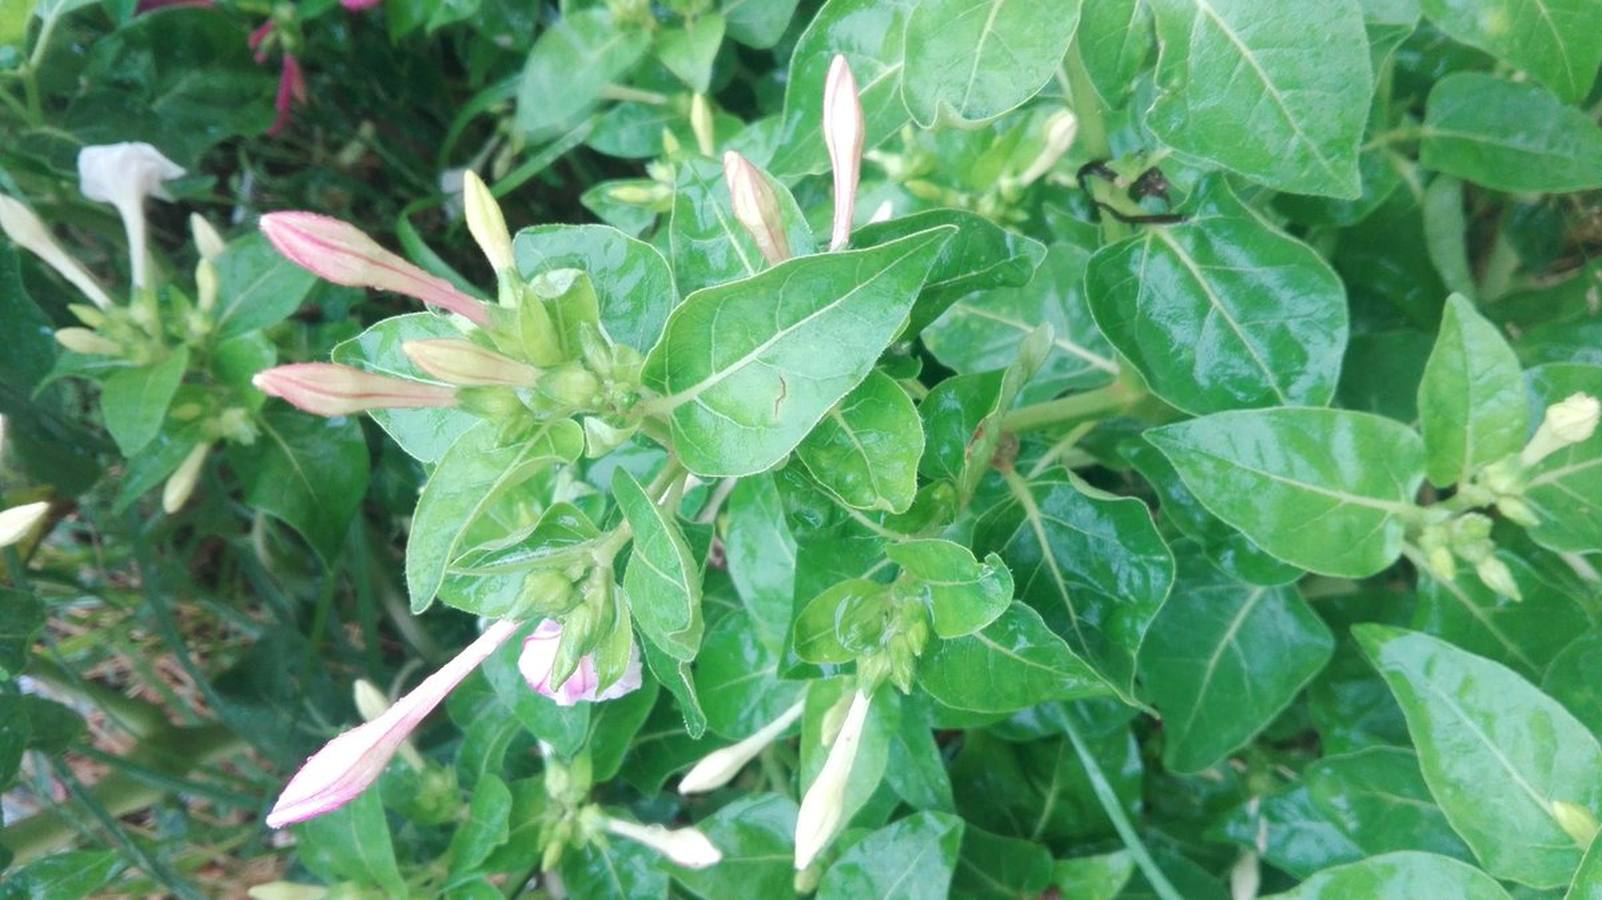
287 890
1517 511
602 437
181 483
545 593
1569 422
824 804
370 705
1060 131
210 244
1441 563
701 125
124 175
1496 576
326 389
88 315
882 213
720 766
571 387
82 340
637 194
27 231
18 521
756 206
538 660
459 361
686 847
205 286
1576 820
486 223
843 133
341 253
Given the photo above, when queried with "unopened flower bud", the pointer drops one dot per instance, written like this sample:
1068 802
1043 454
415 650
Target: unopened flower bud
205 286
1517 511
1441 563
1569 422
88 315
458 361
181 483
1576 820
823 807
326 389
82 340
1060 131
756 207
371 704
720 766
545 593
1496 576
843 133
487 224
18 521
210 244
637 194
701 124
27 231
287 890
571 387
343 254
124 175
686 847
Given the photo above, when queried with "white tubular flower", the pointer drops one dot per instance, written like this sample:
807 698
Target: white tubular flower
286 890
123 175
843 133
824 803
720 766
17 521
687 847
181 484
1569 422
1061 129
27 231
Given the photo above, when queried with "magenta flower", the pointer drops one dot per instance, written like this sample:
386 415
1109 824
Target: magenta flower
539 656
291 90
328 389
342 253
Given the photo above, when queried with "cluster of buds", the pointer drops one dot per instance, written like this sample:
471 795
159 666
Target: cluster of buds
1466 537
906 633
1502 483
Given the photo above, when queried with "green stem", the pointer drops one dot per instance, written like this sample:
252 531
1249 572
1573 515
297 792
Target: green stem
1499 268
1087 106
1115 811
141 719
1100 403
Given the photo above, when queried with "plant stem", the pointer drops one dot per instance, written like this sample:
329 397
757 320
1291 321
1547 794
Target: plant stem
1075 408
1115 811
1086 106
141 719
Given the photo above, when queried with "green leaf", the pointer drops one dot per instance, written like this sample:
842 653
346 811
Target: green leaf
760 553
980 255
570 64
1565 489
1014 663
21 616
134 401
842 623
963 595
912 859
992 866
1524 635
257 286
1509 136
613 726
1038 790
1554 40
471 477
1091 564
1495 752
1277 91
424 434
1398 876
865 451
983 330
1571 679
486 827
1222 311
1323 489
1093 877
675 676
756 834
916 767
1115 40
663 579
740 367
1446 234
972 60
688 49
488 581
709 245
758 23
310 472
352 843
632 281
1223 659
737 679
68 875
1587 884
1377 799
1471 403
618 869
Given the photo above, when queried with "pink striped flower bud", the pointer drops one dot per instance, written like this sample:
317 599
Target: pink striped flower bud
457 361
539 657
326 389
843 132
756 206
342 253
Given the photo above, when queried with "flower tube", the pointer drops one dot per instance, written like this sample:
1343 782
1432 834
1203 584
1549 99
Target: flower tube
687 847
27 231
327 389
720 766
843 132
824 803
124 175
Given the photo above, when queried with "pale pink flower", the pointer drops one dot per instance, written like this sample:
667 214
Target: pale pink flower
539 656
328 389
843 133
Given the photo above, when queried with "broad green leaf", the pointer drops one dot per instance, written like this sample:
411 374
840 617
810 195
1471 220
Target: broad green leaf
980 255
1554 40
1398 876
1495 752
134 401
1091 564
257 286
425 434
21 617
756 835
870 34
1571 679
1350 706
737 679
916 767
1587 884
993 866
1523 635
614 725
486 827
632 281
983 330
1324 489
675 676
310 472
709 245
14 18
1093 877
618 869
663 579
963 594
688 49
1277 91
1446 234
760 552
1382 371
1115 40
842 623
911 859
865 451
470 478
1509 136
972 60
758 23
1377 798
746 369
67 875
564 728
1222 311
1471 403
1223 659
963 417
352 843
571 63
1014 663
1289 832
1038 790
488 580
1565 489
